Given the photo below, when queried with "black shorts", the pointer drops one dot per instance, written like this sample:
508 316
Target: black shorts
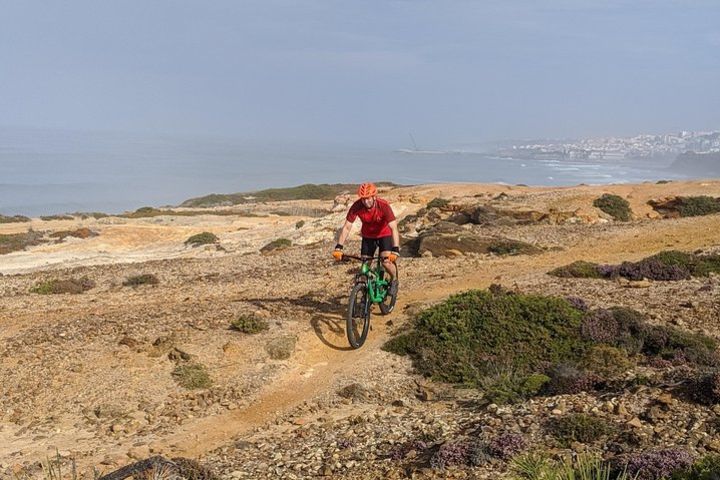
369 245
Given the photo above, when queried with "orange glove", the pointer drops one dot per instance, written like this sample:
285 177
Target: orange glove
337 255
393 256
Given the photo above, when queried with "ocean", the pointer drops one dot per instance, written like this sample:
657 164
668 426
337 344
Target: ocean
45 172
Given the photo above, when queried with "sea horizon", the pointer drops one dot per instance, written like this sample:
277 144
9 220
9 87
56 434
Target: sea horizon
46 172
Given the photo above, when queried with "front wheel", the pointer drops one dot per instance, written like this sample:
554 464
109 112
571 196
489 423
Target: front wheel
388 303
358 315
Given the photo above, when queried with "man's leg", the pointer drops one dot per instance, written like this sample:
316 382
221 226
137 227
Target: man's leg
389 266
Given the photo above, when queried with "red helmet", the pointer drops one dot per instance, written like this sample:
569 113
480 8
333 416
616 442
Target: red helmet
367 190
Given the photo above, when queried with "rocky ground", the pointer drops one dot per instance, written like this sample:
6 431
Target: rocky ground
91 375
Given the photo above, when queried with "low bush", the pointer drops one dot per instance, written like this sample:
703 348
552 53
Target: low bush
82 233
204 238
705 388
47 218
299 224
192 376
606 361
144 279
59 286
507 386
459 453
19 241
579 269
669 265
579 428
705 468
698 206
457 340
615 206
511 247
567 380
506 445
249 324
438 203
657 465
277 244
14 219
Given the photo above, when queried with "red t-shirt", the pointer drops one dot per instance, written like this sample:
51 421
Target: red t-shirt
374 220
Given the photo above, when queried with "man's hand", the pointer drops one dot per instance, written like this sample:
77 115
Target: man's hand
337 253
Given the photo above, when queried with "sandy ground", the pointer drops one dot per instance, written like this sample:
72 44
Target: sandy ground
90 375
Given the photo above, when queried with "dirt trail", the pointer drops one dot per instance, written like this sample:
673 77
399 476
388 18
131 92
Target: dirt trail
318 363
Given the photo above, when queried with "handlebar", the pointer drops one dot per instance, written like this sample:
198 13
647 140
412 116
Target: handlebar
360 259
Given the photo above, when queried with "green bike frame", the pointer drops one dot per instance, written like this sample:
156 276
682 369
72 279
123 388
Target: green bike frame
377 286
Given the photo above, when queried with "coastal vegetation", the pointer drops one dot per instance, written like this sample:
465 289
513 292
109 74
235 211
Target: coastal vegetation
667 265
14 242
615 206
204 238
308 191
514 346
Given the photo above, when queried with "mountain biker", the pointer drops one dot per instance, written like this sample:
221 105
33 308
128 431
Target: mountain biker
379 229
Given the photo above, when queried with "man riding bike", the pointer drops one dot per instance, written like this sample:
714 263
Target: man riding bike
379 229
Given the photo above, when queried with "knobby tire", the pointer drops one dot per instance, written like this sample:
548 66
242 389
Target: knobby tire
358 315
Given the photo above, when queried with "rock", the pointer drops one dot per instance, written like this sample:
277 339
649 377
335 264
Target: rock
281 348
139 453
355 392
635 422
644 283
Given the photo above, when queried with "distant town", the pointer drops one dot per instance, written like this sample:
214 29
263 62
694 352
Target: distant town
618 148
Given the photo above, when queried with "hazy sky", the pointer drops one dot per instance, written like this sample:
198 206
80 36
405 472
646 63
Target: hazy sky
366 72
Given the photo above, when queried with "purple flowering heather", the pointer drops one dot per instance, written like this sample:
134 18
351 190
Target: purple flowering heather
600 326
565 379
450 454
506 445
399 452
607 271
653 269
657 465
577 303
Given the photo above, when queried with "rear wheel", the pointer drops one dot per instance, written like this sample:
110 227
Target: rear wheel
358 315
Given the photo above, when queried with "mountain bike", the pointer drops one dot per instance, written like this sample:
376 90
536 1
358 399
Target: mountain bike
370 287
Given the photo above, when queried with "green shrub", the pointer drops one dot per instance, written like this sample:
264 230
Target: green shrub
144 279
606 361
277 244
668 265
705 468
438 203
203 238
579 269
615 206
59 286
663 182
249 324
507 386
511 247
47 218
192 376
579 427
698 206
281 348
299 224
19 241
14 219
455 340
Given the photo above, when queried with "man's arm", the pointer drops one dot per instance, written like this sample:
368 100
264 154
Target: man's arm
395 233
344 232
